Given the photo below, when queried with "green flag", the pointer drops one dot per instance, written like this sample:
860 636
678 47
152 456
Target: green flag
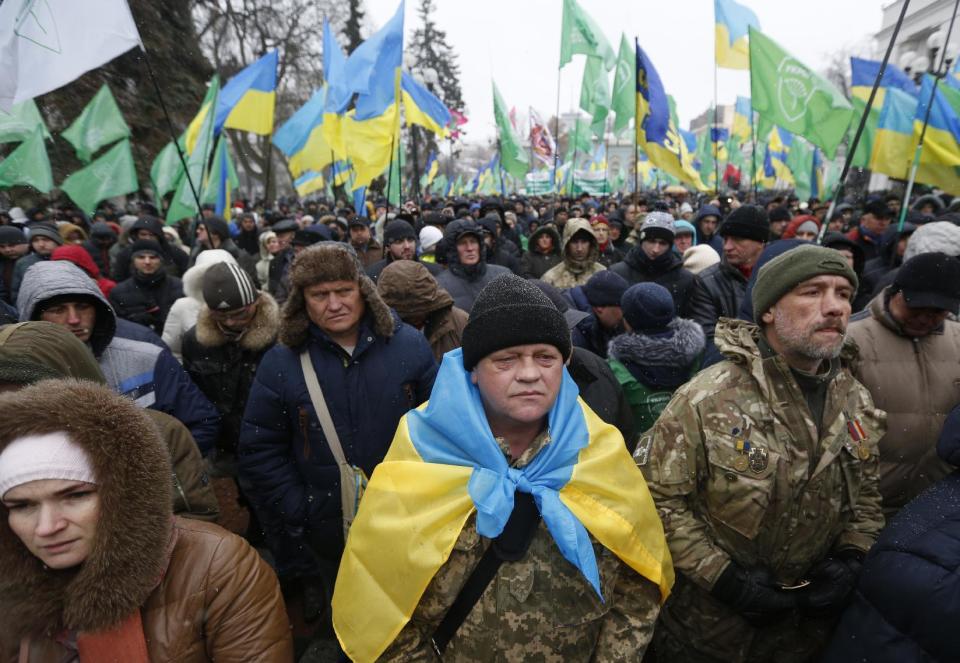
439 184
513 158
28 164
199 136
793 96
395 171
166 170
19 123
580 34
861 159
111 174
578 139
800 163
101 123
595 95
624 102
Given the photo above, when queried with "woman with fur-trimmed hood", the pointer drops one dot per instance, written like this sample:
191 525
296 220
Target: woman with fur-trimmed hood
94 566
372 369
658 353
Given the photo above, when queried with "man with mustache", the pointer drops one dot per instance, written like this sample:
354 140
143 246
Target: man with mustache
765 471
908 361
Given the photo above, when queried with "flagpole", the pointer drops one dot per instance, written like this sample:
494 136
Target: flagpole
926 118
393 153
606 163
753 152
636 128
716 153
267 170
556 128
503 191
173 133
852 148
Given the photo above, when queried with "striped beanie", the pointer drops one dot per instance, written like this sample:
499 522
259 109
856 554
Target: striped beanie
227 287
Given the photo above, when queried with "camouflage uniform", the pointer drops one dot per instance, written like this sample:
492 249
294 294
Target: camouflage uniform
785 506
570 273
537 610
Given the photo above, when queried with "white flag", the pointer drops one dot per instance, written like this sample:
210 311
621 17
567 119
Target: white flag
45 44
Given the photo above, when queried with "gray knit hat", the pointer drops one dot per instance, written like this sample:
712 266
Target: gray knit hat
657 225
783 273
226 287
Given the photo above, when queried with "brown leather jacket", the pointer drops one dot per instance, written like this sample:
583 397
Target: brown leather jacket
203 593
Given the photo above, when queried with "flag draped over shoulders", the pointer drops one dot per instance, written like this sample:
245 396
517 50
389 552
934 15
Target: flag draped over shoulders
444 464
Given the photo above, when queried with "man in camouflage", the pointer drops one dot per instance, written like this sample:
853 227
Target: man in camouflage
764 469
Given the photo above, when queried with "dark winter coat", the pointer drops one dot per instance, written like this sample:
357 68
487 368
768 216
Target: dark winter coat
146 300
175 261
651 367
224 368
867 244
590 335
283 453
906 604
502 252
667 270
887 260
717 293
601 391
534 264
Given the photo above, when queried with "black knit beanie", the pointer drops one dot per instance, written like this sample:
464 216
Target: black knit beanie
747 222
511 311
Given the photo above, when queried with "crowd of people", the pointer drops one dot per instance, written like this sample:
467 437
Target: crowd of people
658 427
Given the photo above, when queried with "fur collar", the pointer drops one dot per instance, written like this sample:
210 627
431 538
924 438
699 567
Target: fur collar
680 348
129 554
261 333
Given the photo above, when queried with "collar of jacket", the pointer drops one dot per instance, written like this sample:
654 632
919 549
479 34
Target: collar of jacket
879 308
366 337
259 334
727 268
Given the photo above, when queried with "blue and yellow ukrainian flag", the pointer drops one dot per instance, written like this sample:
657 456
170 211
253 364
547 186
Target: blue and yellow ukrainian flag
444 465
657 133
309 182
431 170
742 118
422 107
248 99
598 161
775 158
893 144
939 163
733 21
863 73
221 180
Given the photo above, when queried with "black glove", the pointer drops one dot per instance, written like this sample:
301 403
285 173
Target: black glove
831 583
754 594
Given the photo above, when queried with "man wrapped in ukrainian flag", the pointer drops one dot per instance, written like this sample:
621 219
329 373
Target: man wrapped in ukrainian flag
507 522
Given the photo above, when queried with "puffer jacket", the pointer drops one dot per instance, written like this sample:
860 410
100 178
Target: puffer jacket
142 371
283 453
198 592
906 604
79 257
570 273
409 289
717 293
224 368
534 264
667 270
916 381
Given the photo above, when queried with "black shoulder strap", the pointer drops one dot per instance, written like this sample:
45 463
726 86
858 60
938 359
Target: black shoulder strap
510 546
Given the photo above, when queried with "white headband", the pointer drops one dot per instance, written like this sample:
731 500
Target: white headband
47 456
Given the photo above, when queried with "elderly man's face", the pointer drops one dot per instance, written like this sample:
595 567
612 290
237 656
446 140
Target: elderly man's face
809 323
336 307
518 385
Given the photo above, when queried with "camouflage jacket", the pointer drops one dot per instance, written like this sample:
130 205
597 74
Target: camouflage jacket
795 496
538 609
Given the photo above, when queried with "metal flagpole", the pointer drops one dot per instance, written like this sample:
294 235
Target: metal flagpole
393 153
852 149
716 153
636 127
926 118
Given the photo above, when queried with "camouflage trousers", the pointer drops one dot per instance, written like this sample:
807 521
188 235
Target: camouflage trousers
696 628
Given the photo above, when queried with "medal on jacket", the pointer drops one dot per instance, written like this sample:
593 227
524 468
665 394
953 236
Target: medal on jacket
858 436
741 463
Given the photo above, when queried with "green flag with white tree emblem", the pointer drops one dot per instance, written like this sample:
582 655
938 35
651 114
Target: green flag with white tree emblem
791 95
624 102
19 123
